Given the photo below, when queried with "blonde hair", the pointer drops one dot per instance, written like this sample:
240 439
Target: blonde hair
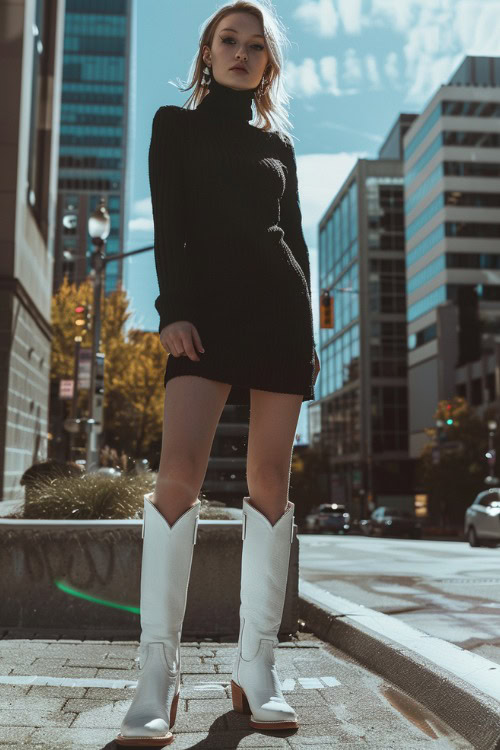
272 107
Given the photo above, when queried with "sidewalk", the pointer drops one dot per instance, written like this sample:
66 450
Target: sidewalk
73 694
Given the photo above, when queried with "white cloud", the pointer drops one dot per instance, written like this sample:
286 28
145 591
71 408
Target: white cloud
141 224
372 71
397 13
477 26
142 207
350 14
329 72
303 79
435 34
320 177
319 15
352 67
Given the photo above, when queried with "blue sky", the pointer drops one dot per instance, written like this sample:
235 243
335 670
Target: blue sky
351 67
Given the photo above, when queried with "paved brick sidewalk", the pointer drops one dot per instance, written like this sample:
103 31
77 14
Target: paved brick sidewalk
340 704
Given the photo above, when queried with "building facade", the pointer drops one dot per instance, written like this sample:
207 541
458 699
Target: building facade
362 385
31 39
94 132
452 238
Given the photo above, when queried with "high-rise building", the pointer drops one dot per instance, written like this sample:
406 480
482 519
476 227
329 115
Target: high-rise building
362 386
31 38
452 234
96 86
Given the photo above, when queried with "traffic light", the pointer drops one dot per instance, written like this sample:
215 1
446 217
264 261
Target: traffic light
82 320
327 313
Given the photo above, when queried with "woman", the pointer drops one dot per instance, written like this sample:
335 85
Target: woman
235 316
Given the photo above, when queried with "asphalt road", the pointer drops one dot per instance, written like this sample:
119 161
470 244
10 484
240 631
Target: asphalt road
446 589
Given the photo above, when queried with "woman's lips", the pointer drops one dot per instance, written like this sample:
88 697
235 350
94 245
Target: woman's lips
239 70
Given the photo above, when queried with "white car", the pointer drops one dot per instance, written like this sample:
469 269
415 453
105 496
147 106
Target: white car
482 519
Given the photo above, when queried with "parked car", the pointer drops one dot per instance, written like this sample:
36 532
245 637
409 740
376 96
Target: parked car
328 517
385 521
482 519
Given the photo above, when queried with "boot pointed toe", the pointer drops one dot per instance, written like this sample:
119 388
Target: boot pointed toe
255 684
166 566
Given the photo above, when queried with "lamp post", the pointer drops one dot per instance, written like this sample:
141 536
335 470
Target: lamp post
99 226
491 454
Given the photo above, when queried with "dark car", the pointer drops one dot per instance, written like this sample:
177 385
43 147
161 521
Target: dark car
328 517
385 521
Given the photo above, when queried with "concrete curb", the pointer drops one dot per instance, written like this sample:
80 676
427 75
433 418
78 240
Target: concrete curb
462 688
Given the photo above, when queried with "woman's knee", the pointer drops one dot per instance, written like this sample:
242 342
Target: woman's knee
268 478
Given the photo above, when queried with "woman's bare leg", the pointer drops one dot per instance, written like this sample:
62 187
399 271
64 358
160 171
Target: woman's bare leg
192 410
273 423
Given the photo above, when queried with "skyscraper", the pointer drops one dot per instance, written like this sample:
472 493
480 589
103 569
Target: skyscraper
452 233
93 132
362 384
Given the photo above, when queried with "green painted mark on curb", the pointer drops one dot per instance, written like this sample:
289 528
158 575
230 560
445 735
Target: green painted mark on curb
82 595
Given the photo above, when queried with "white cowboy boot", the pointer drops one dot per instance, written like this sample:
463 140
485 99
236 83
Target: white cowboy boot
255 684
167 554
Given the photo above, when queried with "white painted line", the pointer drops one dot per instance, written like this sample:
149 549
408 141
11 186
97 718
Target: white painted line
287 684
92 682
66 681
472 668
330 681
310 682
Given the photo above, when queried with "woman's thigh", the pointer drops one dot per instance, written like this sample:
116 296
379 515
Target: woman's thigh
192 410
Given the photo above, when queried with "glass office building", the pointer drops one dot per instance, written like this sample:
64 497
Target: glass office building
452 237
93 133
361 412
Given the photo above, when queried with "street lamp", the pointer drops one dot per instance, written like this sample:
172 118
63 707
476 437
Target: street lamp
491 454
99 226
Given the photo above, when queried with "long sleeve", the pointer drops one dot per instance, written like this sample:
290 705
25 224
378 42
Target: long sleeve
291 216
166 183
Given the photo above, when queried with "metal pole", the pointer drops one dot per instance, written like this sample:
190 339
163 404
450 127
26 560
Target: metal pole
74 400
97 259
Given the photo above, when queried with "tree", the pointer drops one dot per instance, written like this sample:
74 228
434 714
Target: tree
309 472
452 468
133 366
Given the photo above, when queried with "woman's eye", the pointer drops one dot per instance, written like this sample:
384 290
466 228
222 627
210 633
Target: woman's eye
230 39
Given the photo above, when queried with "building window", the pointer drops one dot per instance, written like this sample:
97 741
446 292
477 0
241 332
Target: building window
422 337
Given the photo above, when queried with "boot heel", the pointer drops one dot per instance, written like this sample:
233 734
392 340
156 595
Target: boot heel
173 710
240 702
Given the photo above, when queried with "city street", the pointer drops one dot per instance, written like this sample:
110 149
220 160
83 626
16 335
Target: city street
447 589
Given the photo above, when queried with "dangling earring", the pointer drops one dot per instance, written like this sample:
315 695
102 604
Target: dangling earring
205 81
261 90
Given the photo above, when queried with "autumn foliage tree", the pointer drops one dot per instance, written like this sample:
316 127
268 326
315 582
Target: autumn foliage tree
134 362
452 466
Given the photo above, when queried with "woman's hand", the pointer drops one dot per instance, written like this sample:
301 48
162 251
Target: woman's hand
180 339
317 367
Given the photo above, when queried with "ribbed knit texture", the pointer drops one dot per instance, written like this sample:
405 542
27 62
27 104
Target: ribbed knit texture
230 252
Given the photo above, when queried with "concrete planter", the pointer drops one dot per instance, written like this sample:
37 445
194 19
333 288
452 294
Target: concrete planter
85 576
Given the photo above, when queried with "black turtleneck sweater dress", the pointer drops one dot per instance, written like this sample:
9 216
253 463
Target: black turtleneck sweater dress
230 253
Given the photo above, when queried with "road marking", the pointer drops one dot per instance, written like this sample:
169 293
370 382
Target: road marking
288 685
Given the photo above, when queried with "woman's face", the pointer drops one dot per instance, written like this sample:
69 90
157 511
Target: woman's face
244 45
